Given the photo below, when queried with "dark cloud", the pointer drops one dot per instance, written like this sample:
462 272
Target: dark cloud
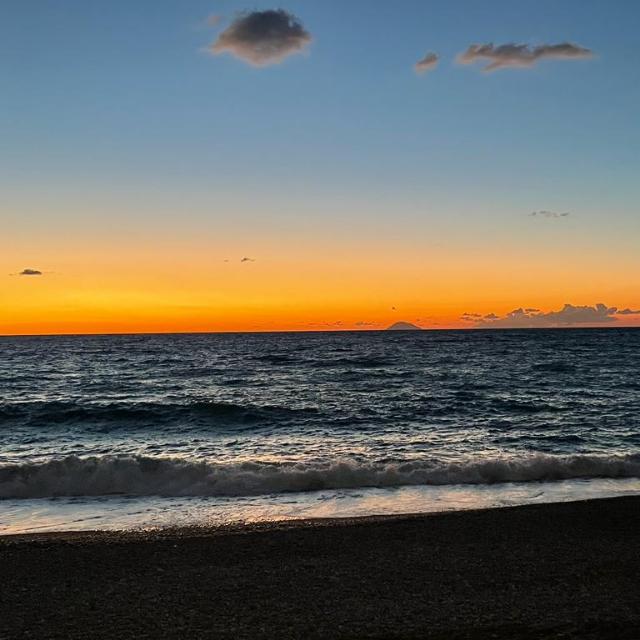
262 38
247 260
628 312
428 63
514 55
569 315
549 214
470 317
30 272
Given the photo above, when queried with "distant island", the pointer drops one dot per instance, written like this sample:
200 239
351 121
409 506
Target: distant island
403 326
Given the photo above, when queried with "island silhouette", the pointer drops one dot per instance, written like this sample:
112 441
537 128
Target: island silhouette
403 326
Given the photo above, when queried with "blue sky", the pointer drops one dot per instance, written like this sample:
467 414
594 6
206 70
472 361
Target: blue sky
87 80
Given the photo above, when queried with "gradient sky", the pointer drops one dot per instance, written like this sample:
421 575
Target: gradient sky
137 169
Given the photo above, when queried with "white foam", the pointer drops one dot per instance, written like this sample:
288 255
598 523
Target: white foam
147 476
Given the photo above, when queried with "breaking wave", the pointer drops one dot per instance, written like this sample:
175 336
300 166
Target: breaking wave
148 476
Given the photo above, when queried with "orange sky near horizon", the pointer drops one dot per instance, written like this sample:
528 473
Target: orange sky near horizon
134 264
198 288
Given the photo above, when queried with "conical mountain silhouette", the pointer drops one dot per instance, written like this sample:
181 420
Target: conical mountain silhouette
403 326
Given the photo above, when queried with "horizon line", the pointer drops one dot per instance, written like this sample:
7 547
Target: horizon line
269 331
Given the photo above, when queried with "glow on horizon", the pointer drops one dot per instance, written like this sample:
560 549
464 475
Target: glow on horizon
193 278
201 294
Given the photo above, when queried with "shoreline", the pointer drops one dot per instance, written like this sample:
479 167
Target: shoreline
152 533
569 570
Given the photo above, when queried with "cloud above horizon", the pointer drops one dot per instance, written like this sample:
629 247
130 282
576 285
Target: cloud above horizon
262 38
520 56
549 214
428 63
569 315
30 272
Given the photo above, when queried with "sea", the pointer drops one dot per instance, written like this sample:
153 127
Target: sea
145 431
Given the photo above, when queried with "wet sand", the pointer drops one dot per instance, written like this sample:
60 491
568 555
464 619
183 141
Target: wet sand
543 571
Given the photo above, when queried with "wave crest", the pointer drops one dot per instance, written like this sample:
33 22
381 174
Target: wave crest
148 476
132 414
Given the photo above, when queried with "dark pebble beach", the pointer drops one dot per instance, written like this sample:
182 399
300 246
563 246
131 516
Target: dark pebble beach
545 571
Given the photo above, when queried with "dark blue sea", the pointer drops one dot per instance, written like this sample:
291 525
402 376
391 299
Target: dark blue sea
154 430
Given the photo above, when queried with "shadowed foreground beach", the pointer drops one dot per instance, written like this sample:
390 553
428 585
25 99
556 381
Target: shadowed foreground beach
544 571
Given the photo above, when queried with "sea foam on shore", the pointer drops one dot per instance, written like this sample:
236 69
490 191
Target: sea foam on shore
131 512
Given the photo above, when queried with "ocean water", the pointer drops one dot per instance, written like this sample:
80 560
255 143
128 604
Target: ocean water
153 430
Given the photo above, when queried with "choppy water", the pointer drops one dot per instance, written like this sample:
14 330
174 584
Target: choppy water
229 420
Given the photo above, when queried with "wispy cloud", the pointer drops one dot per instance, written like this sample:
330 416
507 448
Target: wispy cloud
30 272
514 55
549 214
262 38
628 312
247 259
569 315
428 63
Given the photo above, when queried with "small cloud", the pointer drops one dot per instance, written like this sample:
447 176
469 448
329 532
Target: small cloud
569 315
514 55
628 312
261 38
247 260
214 20
364 323
470 317
30 272
428 63
549 214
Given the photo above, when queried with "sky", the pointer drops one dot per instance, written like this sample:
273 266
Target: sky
220 166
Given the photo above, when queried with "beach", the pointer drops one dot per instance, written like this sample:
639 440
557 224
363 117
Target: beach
539 571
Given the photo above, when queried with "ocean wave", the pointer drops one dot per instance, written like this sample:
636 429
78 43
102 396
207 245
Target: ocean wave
511 406
202 412
148 476
277 358
357 362
556 366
